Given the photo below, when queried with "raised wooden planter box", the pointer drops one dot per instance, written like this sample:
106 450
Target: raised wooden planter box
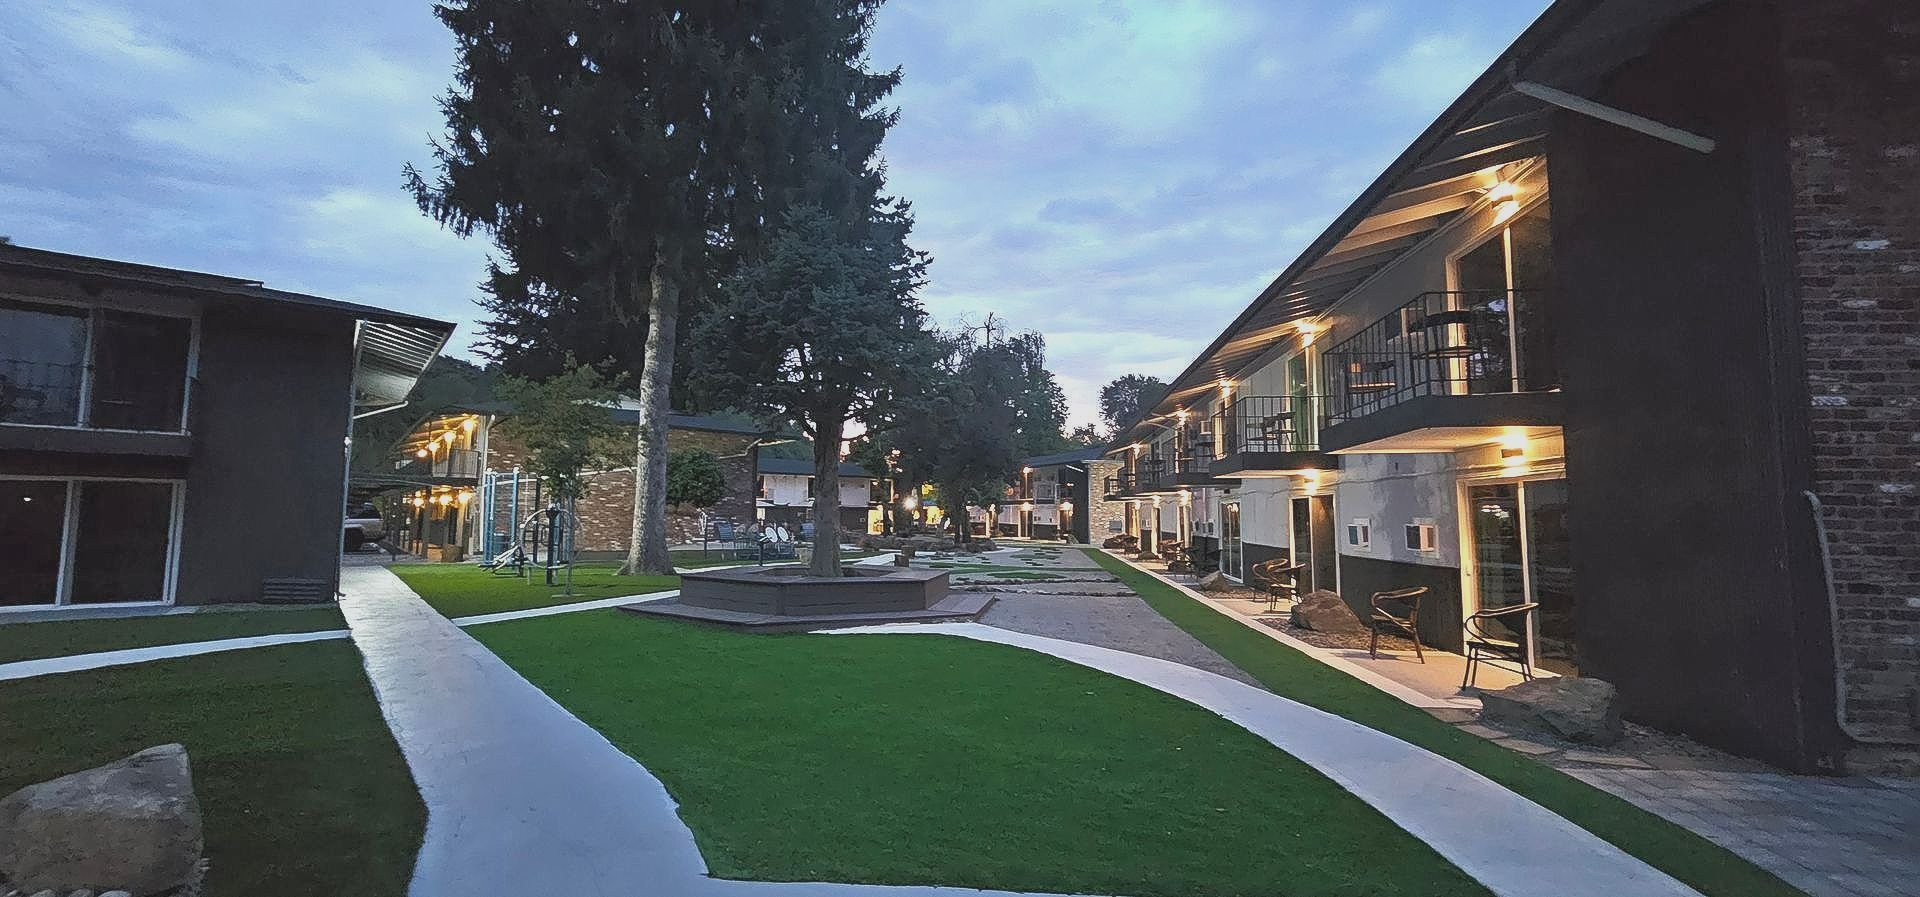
788 591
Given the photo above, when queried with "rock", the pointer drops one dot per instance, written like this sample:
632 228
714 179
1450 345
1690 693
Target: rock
132 824
1324 611
1215 581
116 894
1586 711
83 892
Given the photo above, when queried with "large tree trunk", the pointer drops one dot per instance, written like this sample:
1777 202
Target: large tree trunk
826 497
647 553
957 513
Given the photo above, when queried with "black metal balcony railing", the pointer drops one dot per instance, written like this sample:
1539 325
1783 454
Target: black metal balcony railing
1270 424
1120 483
1473 342
1147 473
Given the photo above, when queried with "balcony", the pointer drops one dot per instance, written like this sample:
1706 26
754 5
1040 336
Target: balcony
461 465
70 408
1270 436
1446 371
1119 485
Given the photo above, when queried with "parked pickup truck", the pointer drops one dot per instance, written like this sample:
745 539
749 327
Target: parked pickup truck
363 525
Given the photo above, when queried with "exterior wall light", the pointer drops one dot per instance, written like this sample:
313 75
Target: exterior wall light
909 503
1513 449
420 454
1506 201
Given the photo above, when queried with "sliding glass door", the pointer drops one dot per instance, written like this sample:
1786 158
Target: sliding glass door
1230 552
1521 554
87 541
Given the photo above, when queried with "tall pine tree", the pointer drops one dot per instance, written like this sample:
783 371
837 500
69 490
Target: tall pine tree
595 143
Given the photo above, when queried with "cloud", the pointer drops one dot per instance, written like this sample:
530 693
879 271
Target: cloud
1121 175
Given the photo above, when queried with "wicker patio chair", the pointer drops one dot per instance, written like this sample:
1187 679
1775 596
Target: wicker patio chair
1279 578
1496 635
1399 608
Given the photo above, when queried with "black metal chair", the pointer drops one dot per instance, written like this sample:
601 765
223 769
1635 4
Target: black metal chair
1498 635
1406 617
1279 578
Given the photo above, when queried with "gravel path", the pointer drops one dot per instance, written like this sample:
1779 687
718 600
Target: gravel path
1123 623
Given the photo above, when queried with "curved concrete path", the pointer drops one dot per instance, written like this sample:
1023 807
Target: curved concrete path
1514 846
522 797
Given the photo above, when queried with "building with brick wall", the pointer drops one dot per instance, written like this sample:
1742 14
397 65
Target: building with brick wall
457 491
1625 346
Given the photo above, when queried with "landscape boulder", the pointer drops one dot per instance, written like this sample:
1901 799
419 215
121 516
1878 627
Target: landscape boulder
1586 711
1215 582
1324 611
130 825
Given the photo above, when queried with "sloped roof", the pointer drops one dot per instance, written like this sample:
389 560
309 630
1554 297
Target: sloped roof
394 347
804 467
1075 456
1572 46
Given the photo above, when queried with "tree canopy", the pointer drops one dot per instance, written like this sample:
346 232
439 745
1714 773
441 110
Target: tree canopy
961 434
1125 398
563 423
823 331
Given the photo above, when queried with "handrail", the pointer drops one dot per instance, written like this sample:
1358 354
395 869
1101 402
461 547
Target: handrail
1443 342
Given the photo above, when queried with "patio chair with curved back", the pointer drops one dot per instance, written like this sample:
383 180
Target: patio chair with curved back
1406 616
1497 635
1279 578
1176 557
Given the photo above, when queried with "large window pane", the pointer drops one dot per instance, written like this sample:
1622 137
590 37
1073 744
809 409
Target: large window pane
120 549
1550 570
32 514
139 371
43 355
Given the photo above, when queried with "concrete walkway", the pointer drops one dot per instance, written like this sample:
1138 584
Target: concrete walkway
1508 843
522 797
73 663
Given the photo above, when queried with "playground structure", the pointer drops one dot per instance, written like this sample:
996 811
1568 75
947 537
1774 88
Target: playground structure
545 538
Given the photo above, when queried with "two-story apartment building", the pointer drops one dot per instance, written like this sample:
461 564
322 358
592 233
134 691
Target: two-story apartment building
172 437
784 489
1057 495
1630 333
459 487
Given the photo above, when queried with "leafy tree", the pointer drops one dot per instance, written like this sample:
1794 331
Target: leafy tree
694 478
1039 404
592 142
564 425
961 433
1086 436
1126 398
823 331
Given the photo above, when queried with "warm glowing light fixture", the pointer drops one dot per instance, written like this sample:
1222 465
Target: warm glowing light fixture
909 503
1513 448
1027 470
1226 386
469 424
420 454
1308 330
1505 197
1026 506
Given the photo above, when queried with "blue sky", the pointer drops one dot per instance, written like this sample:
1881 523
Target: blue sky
1121 176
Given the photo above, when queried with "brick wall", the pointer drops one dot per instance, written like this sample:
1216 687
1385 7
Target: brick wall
1853 69
606 510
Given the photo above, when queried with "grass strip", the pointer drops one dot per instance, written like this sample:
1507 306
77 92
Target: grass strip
1707 867
301 788
63 638
934 760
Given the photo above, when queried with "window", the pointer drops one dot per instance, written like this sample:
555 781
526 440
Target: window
87 541
1422 536
43 362
70 367
1360 533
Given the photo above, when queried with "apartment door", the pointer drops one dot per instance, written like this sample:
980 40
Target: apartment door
1521 553
1230 553
1312 528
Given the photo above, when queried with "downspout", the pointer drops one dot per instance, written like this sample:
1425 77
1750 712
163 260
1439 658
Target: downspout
1833 617
346 460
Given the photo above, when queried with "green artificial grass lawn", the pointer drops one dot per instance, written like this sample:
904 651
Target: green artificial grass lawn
301 788
60 638
1707 867
461 590
938 760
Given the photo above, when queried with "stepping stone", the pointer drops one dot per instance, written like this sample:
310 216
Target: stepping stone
1621 761
1484 731
1530 748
